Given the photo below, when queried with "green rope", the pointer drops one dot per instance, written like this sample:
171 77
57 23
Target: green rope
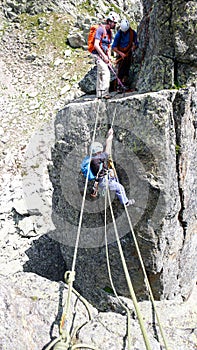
81 346
51 345
110 275
145 274
146 280
128 279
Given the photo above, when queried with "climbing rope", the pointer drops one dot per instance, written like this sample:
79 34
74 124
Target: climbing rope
128 279
129 283
64 341
137 248
146 280
110 275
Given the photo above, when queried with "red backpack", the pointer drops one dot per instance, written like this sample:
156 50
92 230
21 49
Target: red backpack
91 36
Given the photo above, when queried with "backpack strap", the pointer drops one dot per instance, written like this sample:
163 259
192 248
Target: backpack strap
104 29
105 33
100 168
95 186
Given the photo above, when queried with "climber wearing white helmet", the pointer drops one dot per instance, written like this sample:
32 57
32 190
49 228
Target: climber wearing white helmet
100 168
125 42
113 17
124 25
101 51
96 147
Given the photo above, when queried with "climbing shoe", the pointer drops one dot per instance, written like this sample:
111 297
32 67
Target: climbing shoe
106 97
130 202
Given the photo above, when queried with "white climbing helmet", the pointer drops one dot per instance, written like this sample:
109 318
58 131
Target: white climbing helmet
113 16
124 25
96 147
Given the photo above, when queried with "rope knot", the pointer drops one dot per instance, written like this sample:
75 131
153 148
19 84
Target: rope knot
61 345
69 276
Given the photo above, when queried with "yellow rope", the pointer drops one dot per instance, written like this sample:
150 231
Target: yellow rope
143 268
64 341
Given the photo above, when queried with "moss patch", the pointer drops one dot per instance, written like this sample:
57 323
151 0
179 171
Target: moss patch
48 31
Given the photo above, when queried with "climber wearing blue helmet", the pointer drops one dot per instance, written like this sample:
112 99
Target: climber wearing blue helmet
125 42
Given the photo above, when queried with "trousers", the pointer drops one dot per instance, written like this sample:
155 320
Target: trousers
114 186
103 78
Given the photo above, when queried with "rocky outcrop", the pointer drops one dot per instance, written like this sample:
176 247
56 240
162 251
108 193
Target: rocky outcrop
167 41
14 8
35 325
155 152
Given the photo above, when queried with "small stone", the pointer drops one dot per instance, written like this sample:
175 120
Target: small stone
58 61
64 90
20 207
67 53
32 94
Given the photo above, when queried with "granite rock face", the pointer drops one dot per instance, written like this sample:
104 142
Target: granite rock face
167 42
154 150
32 306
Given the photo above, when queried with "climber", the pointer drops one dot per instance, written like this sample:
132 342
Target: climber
124 44
101 53
101 156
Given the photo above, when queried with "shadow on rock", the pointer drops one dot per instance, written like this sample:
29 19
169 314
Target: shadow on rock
45 259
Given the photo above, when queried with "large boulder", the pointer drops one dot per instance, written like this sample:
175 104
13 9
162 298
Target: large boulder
154 150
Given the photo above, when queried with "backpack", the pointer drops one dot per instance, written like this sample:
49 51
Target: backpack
91 36
85 167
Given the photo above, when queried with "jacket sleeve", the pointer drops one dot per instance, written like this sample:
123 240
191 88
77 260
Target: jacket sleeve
116 40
